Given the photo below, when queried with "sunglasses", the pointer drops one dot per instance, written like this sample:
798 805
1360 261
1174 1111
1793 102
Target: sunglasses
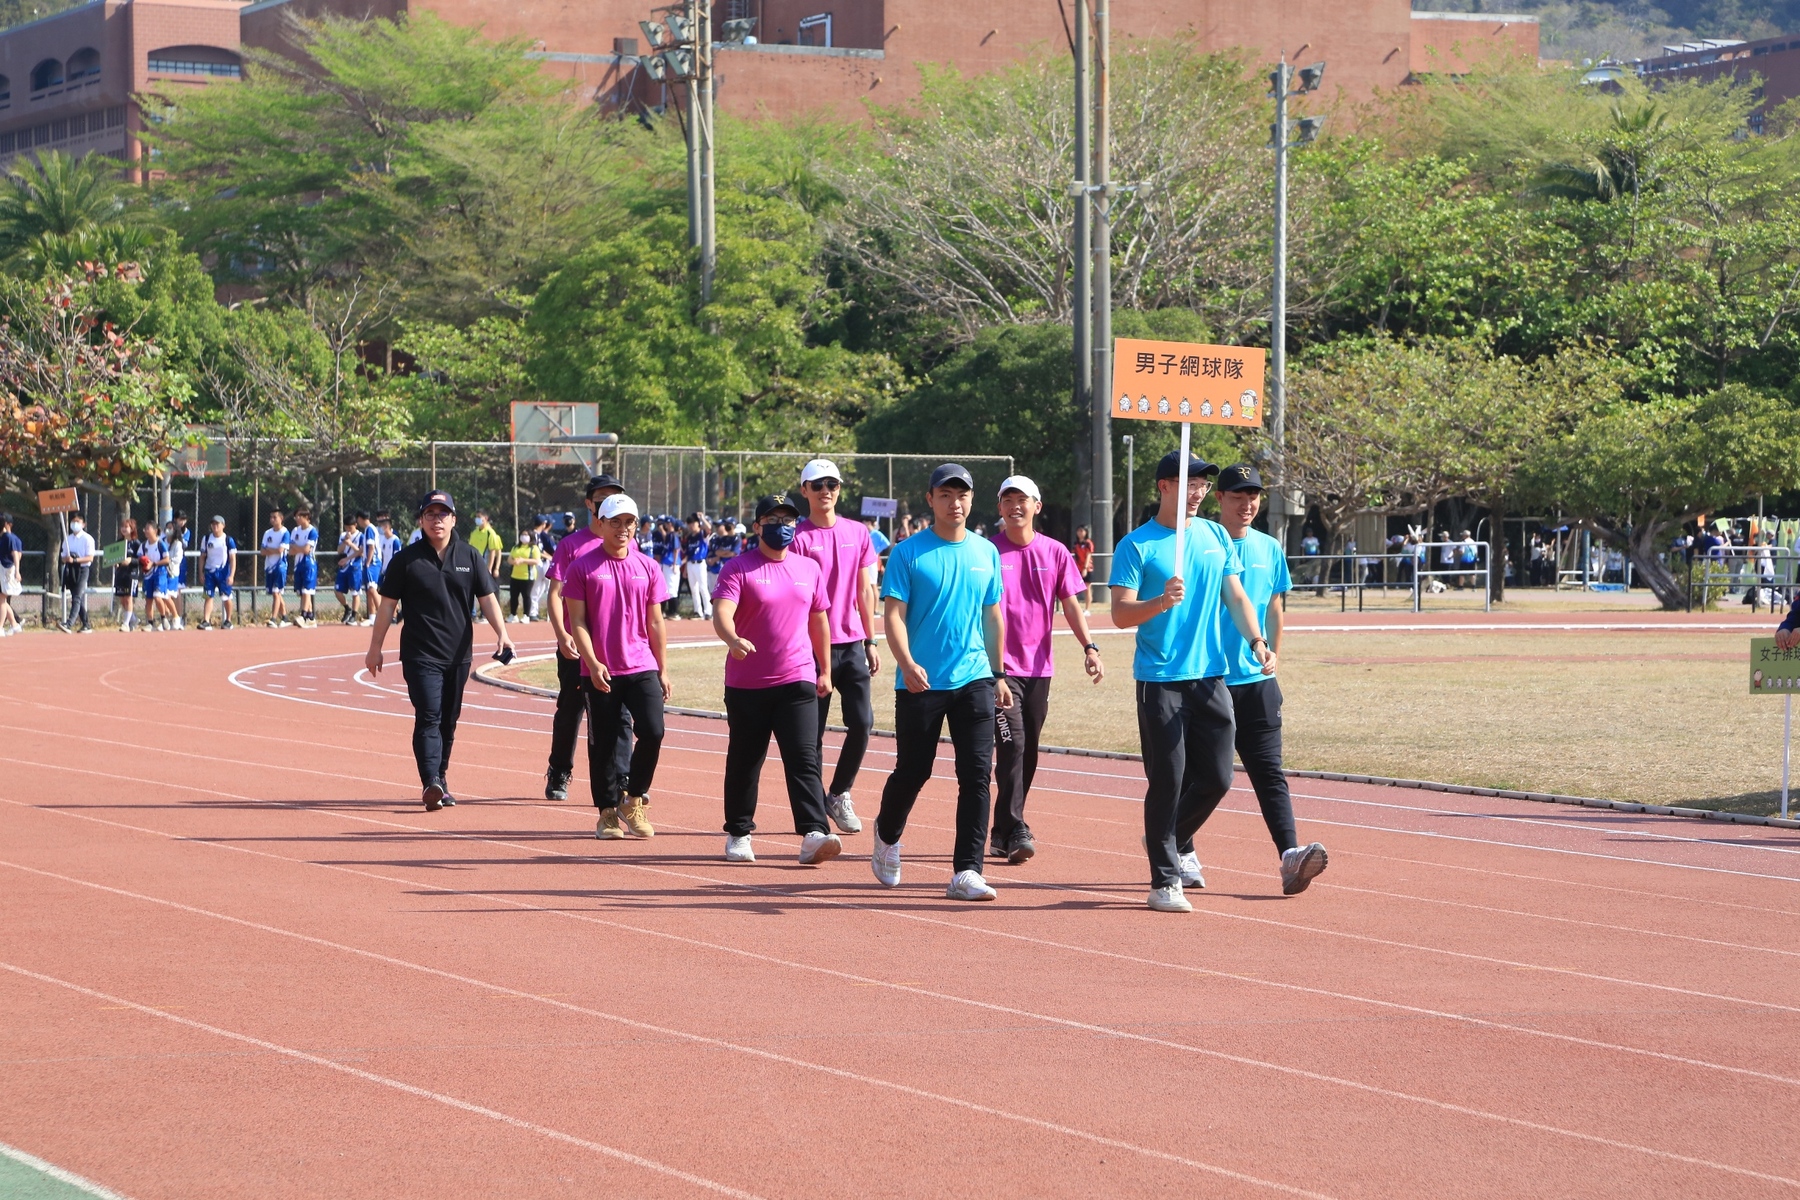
825 485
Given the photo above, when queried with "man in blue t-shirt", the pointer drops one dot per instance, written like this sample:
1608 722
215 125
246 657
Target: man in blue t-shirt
1255 695
1184 712
945 629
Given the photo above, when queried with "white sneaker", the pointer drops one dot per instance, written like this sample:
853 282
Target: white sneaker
843 814
969 885
737 849
1300 866
1189 866
884 860
367 621
1169 899
816 848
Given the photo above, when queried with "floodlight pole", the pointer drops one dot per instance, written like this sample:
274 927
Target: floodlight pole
1101 516
1278 512
1083 307
703 69
692 87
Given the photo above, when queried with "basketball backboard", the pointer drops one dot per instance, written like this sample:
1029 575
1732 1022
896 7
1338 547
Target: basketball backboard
203 453
536 428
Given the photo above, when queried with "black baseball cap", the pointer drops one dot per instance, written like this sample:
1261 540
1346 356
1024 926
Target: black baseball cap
769 504
1170 466
1241 478
952 473
435 497
602 481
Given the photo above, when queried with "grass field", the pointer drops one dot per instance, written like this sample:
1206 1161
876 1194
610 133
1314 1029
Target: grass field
1648 717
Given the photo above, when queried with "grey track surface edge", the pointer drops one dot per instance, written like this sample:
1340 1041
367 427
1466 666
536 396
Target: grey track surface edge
483 673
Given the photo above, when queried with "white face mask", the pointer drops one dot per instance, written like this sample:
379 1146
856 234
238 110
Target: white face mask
76 526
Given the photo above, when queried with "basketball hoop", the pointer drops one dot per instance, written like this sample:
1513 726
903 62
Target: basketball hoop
195 468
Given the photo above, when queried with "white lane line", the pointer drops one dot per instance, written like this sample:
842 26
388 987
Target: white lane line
625 1156
57 1173
645 1027
1415 1010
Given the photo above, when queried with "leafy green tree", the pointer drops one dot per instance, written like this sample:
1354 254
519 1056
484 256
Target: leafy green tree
466 378
81 399
416 150
621 326
1634 471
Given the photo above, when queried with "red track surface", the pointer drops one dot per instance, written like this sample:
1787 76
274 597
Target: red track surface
239 960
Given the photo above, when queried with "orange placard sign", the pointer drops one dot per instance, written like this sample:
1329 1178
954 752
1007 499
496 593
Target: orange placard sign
1185 381
59 500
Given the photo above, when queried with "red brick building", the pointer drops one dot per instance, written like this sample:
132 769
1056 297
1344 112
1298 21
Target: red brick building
66 81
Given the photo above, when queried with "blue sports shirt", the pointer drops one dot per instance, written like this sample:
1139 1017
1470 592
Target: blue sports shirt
1183 643
945 586
1265 577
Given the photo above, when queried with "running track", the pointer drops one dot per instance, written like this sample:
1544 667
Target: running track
239 960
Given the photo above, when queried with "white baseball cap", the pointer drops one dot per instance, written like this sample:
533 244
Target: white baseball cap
820 468
1021 483
617 505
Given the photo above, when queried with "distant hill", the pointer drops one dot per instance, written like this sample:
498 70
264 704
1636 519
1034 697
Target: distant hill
1574 30
17 12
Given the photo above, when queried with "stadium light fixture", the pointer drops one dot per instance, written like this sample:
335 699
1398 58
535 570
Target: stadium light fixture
738 30
681 29
1310 77
655 33
655 67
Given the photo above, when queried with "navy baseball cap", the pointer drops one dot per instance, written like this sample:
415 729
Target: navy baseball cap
435 497
1170 466
952 473
602 481
769 504
1241 478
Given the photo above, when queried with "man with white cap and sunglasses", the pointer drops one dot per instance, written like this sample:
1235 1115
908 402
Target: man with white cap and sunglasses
946 630
1185 726
846 555
1036 575
612 602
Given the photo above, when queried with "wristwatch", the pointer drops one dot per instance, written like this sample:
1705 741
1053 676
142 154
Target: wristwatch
868 641
1092 646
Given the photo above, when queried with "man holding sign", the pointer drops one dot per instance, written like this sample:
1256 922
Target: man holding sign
1170 577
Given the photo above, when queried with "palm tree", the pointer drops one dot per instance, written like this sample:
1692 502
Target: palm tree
1618 164
55 209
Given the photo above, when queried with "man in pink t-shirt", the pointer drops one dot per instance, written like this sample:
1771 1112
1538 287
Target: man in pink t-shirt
1036 575
613 604
770 611
571 694
846 555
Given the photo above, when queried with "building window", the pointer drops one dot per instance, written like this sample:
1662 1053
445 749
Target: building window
5 92
196 60
815 30
46 75
84 67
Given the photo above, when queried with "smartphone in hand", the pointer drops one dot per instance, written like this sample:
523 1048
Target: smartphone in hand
504 655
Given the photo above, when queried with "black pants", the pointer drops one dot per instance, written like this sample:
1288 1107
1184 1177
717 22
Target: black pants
75 581
1257 707
436 692
518 592
918 719
790 712
1185 732
1016 733
850 680
565 727
641 696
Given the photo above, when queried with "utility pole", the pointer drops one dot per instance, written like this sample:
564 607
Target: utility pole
1100 412
691 86
1282 83
1083 307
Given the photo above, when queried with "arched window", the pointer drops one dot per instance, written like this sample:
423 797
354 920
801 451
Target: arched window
195 60
84 67
5 92
47 74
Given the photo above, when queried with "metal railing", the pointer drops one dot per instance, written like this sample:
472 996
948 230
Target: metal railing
1768 573
1410 571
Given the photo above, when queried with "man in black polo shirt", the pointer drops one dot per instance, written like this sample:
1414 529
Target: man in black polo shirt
438 577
